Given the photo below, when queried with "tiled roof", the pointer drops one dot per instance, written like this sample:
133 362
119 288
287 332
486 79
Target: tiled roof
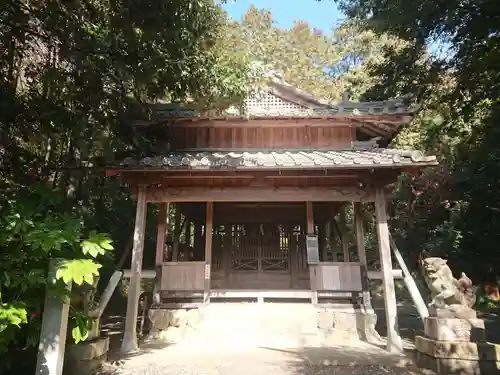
282 159
389 107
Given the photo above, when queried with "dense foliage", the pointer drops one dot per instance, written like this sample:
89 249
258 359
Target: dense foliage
72 75
451 60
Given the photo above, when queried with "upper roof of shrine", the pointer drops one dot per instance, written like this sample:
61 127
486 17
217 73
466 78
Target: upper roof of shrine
280 100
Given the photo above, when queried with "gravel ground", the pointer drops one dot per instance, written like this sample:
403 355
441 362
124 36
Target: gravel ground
349 358
353 358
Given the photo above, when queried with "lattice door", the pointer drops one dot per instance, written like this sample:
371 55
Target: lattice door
245 247
260 247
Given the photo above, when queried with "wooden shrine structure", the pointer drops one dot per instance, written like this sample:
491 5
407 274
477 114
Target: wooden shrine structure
261 195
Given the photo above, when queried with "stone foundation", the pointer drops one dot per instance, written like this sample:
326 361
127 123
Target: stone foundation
173 325
347 323
84 358
455 345
458 358
261 324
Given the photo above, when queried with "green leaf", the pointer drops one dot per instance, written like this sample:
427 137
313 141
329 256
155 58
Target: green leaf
78 271
82 328
96 244
13 314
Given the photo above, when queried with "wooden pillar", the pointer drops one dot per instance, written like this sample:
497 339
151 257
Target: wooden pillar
360 242
198 242
129 344
208 250
227 248
343 229
162 228
177 233
394 342
313 269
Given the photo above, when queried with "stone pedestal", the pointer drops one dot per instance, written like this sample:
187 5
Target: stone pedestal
455 344
84 358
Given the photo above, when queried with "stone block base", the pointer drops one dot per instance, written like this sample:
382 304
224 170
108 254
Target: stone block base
454 329
458 357
173 325
347 322
84 358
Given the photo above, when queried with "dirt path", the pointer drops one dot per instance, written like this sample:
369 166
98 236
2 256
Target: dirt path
350 359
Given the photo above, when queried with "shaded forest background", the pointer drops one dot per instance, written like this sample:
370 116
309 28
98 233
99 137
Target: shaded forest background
73 75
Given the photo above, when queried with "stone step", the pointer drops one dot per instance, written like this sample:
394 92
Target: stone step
254 325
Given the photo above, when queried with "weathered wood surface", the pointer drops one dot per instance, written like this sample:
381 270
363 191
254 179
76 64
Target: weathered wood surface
161 232
243 194
313 268
410 283
394 342
183 276
338 276
360 242
252 280
264 134
129 343
209 227
377 275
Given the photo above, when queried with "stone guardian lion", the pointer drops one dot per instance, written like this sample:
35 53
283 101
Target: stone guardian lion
446 291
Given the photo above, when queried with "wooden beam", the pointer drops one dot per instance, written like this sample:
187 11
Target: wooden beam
313 269
273 121
394 342
129 343
208 250
264 194
377 275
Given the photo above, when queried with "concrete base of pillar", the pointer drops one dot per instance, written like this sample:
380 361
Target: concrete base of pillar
457 357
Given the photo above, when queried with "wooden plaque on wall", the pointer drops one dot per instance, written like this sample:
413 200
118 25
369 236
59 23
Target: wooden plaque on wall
312 249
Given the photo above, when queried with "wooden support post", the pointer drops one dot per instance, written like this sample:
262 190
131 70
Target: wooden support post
129 343
360 241
208 250
313 269
394 342
410 283
226 253
343 229
177 233
162 228
368 314
198 242
161 233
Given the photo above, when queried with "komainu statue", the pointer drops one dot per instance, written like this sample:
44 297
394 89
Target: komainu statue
446 291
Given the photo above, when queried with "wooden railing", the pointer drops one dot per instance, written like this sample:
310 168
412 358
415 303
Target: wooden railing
337 276
183 276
